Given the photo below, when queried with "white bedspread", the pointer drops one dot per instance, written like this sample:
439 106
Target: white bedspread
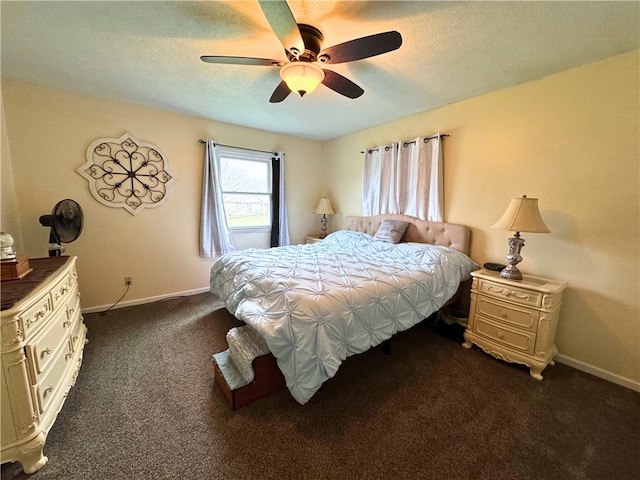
317 304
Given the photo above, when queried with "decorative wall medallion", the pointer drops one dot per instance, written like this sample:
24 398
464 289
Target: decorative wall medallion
124 172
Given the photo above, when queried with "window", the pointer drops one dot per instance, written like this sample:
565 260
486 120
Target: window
246 188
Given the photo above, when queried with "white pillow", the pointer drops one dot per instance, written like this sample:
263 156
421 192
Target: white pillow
391 231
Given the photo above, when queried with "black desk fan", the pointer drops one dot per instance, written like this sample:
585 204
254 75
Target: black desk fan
66 225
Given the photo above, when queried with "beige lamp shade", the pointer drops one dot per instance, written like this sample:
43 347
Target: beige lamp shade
324 207
522 215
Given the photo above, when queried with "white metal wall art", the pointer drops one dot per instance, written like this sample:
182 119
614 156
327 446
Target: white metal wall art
124 172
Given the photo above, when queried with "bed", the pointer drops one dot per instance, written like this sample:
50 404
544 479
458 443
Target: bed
315 305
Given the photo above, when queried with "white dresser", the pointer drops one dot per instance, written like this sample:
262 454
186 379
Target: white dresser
43 336
515 320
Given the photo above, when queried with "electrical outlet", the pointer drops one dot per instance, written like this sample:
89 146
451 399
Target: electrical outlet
128 281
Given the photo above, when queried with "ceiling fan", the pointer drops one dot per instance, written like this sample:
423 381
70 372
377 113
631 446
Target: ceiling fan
303 46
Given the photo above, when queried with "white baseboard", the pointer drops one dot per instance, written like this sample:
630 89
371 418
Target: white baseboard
142 301
598 372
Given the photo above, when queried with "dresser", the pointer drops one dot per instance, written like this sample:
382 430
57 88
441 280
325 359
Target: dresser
515 320
312 239
43 336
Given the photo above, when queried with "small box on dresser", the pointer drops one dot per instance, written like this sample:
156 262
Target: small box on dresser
515 320
15 268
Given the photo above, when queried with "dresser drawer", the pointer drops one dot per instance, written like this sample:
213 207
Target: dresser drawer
43 349
51 382
508 314
64 289
33 316
517 340
78 333
512 294
73 304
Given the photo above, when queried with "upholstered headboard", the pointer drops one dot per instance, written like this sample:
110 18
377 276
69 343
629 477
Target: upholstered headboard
421 231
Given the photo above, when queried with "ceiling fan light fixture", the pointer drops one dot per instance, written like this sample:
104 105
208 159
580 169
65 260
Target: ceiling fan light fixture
302 77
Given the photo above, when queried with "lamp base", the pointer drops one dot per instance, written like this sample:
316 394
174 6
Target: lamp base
513 258
323 228
511 272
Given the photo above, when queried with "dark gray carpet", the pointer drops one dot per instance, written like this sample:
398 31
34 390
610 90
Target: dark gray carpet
145 406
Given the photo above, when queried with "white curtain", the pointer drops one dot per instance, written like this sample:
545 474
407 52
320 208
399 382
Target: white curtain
405 177
380 168
215 238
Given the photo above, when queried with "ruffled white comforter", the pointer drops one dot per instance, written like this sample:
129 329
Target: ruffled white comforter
317 304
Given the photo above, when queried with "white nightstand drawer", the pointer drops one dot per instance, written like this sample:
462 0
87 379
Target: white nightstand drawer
520 341
513 294
508 314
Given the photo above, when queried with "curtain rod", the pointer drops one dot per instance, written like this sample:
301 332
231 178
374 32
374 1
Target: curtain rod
426 138
233 146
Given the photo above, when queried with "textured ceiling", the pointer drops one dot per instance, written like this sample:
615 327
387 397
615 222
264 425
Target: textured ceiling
149 53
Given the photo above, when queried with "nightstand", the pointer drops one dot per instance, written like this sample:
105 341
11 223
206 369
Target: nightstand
312 239
515 320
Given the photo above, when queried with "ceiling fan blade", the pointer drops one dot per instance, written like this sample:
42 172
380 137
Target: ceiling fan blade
265 62
283 24
280 93
363 47
340 84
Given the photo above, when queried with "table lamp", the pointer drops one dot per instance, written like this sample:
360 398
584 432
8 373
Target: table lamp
324 208
522 215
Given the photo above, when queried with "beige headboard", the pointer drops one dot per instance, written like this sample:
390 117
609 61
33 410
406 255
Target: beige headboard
448 234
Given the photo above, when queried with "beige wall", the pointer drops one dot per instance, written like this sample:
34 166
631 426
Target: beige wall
49 131
572 140
9 217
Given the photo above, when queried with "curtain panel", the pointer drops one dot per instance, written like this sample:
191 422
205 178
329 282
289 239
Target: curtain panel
279 222
215 238
404 177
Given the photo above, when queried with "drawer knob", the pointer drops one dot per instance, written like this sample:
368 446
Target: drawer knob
46 351
503 314
499 334
66 324
47 392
